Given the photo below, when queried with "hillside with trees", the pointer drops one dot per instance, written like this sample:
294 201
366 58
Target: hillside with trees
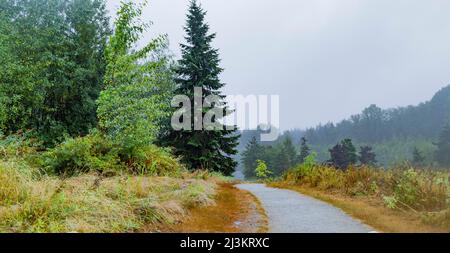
416 134
393 133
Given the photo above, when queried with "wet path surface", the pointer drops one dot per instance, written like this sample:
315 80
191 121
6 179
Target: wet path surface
292 212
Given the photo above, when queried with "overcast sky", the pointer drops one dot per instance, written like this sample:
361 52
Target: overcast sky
327 59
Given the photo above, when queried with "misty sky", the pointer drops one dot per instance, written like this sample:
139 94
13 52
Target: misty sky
327 59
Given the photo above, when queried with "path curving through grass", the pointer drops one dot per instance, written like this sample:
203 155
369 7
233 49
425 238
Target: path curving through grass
292 212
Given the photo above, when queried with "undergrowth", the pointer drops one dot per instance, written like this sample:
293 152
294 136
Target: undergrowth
90 184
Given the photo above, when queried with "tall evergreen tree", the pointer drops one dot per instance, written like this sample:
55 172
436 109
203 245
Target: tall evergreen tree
443 148
367 156
350 151
199 67
283 156
288 150
272 158
253 152
305 151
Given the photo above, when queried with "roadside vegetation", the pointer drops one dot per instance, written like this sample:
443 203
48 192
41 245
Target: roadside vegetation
400 199
35 198
88 203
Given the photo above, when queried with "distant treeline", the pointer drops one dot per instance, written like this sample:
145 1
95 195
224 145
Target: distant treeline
414 133
375 125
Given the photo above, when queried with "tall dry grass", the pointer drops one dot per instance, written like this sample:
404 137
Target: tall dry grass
89 203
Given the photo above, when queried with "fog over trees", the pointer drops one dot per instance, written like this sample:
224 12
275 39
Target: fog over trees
384 137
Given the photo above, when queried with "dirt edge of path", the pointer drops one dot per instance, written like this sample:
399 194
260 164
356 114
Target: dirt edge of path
234 211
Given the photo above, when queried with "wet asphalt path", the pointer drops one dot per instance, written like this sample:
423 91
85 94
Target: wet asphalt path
292 212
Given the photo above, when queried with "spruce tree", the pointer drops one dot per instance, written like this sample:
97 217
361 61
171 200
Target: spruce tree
199 68
305 151
350 151
253 152
288 151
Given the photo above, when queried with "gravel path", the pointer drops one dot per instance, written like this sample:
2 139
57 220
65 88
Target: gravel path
292 212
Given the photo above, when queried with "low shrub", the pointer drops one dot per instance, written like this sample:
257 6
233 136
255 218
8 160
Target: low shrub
302 171
95 153
81 155
154 160
18 145
420 189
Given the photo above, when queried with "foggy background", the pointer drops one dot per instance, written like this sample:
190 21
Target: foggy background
327 59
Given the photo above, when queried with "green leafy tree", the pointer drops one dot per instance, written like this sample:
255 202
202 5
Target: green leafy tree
199 67
138 83
52 65
443 147
305 150
261 171
367 156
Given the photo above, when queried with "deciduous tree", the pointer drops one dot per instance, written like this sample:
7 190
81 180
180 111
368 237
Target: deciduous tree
138 84
52 65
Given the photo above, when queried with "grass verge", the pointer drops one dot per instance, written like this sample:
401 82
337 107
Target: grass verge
89 203
235 211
